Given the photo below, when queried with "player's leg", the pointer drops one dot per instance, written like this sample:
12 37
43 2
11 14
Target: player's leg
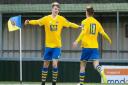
47 58
44 71
84 58
82 72
95 57
56 54
55 72
100 70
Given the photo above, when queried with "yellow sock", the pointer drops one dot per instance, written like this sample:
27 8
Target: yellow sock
101 71
103 76
82 83
82 76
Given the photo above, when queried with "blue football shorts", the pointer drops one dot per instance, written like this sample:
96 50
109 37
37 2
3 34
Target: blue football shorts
89 54
51 53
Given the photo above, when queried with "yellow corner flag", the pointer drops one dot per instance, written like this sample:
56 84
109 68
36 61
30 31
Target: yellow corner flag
14 23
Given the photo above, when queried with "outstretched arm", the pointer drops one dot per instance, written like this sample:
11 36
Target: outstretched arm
73 25
35 22
68 24
31 22
104 34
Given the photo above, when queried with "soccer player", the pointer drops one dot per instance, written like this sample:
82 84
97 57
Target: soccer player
88 37
53 25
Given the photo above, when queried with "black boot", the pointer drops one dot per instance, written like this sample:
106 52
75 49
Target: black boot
53 83
43 83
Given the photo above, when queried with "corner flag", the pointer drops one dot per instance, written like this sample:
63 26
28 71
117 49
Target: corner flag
14 23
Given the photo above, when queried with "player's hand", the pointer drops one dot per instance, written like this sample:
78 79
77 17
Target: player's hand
110 41
26 22
80 26
74 44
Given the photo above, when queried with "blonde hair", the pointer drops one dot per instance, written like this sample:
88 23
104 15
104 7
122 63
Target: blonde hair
55 4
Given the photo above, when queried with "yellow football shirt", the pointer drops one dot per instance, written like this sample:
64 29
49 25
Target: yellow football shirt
89 34
53 28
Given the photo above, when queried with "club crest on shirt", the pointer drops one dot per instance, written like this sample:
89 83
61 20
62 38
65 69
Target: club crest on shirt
53 25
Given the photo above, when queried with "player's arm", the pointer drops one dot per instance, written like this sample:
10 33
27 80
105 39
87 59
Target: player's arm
107 37
68 24
79 38
73 25
35 22
105 34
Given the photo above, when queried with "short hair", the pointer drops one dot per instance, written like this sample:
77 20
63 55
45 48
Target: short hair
55 4
90 10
